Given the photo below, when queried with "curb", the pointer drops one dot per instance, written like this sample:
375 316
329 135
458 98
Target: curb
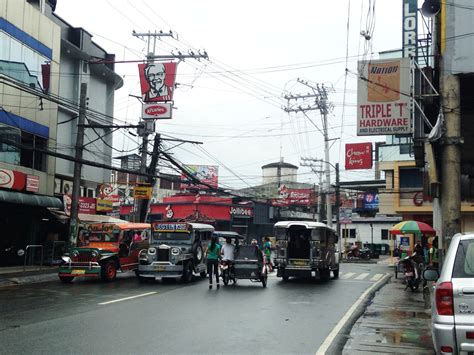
28 279
336 345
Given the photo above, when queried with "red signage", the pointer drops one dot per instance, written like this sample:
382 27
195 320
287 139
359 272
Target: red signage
358 156
157 81
32 183
302 197
11 179
87 205
241 211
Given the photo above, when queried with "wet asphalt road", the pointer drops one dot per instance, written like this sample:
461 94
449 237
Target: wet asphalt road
92 317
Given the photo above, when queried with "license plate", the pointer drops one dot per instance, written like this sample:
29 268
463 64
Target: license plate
300 263
159 268
78 272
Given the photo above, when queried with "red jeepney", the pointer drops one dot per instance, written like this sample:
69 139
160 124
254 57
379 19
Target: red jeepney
105 248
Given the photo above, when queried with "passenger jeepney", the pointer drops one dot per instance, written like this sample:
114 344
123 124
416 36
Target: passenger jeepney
104 249
305 249
177 250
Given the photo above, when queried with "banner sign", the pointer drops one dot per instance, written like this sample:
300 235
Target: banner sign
32 183
11 179
383 98
371 201
156 111
207 174
142 192
87 205
288 196
104 205
345 215
359 156
410 28
157 81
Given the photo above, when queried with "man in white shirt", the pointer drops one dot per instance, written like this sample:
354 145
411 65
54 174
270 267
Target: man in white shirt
227 251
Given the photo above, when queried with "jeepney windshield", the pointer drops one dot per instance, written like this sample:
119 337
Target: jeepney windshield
103 237
171 236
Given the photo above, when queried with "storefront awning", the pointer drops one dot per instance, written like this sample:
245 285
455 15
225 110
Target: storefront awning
30 199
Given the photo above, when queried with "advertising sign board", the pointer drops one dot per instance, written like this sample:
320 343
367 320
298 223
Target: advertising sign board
359 156
142 192
157 81
207 174
410 28
384 98
288 196
156 111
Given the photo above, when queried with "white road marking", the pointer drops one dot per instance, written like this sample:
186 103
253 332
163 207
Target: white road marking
329 339
128 298
362 276
346 276
376 277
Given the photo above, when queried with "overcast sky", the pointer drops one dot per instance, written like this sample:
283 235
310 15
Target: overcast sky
257 49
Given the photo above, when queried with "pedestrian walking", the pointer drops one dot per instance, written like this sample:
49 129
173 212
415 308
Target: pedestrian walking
213 253
267 248
434 254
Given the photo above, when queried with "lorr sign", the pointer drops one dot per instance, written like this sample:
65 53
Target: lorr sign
156 111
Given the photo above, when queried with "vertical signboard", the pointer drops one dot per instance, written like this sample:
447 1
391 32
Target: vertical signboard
359 156
410 28
157 81
384 98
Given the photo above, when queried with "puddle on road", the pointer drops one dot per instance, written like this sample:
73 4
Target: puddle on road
420 338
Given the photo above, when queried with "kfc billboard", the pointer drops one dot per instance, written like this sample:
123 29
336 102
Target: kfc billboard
207 174
156 111
157 81
358 156
384 98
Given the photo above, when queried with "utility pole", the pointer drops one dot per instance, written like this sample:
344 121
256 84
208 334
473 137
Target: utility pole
316 167
76 187
151 170
320 96
141 207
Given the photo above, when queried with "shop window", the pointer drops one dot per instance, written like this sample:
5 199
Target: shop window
8 153
384 234
352 233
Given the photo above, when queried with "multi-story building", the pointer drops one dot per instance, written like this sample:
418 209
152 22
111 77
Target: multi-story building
43 61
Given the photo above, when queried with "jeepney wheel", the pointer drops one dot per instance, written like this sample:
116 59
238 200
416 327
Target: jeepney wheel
108 271
66 279
187 272
335 273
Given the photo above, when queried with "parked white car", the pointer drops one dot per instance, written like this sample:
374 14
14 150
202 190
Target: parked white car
453 305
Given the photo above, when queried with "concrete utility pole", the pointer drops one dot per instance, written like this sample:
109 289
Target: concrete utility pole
451 159
140 214
76 187
320 96
316 167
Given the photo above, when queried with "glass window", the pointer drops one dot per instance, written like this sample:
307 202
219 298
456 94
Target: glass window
384 234
411 177
464 262
8 153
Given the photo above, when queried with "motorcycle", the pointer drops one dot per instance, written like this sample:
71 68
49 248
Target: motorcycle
359 253
227 272
412 272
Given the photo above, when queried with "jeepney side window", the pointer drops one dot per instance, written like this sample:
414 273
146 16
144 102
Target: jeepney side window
280 233
317 234
324 235
332 238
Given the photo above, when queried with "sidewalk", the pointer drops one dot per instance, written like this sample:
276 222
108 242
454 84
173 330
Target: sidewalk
395 322
15 275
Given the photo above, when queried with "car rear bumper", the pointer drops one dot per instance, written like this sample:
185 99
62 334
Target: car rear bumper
444 335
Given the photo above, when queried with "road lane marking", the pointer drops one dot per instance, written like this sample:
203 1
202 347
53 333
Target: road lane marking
376 277
128 298
346 276
329 339
362 276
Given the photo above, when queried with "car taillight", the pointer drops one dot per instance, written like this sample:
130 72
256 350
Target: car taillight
444 299
446 349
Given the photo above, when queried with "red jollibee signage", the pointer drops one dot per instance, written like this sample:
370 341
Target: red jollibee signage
358 156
